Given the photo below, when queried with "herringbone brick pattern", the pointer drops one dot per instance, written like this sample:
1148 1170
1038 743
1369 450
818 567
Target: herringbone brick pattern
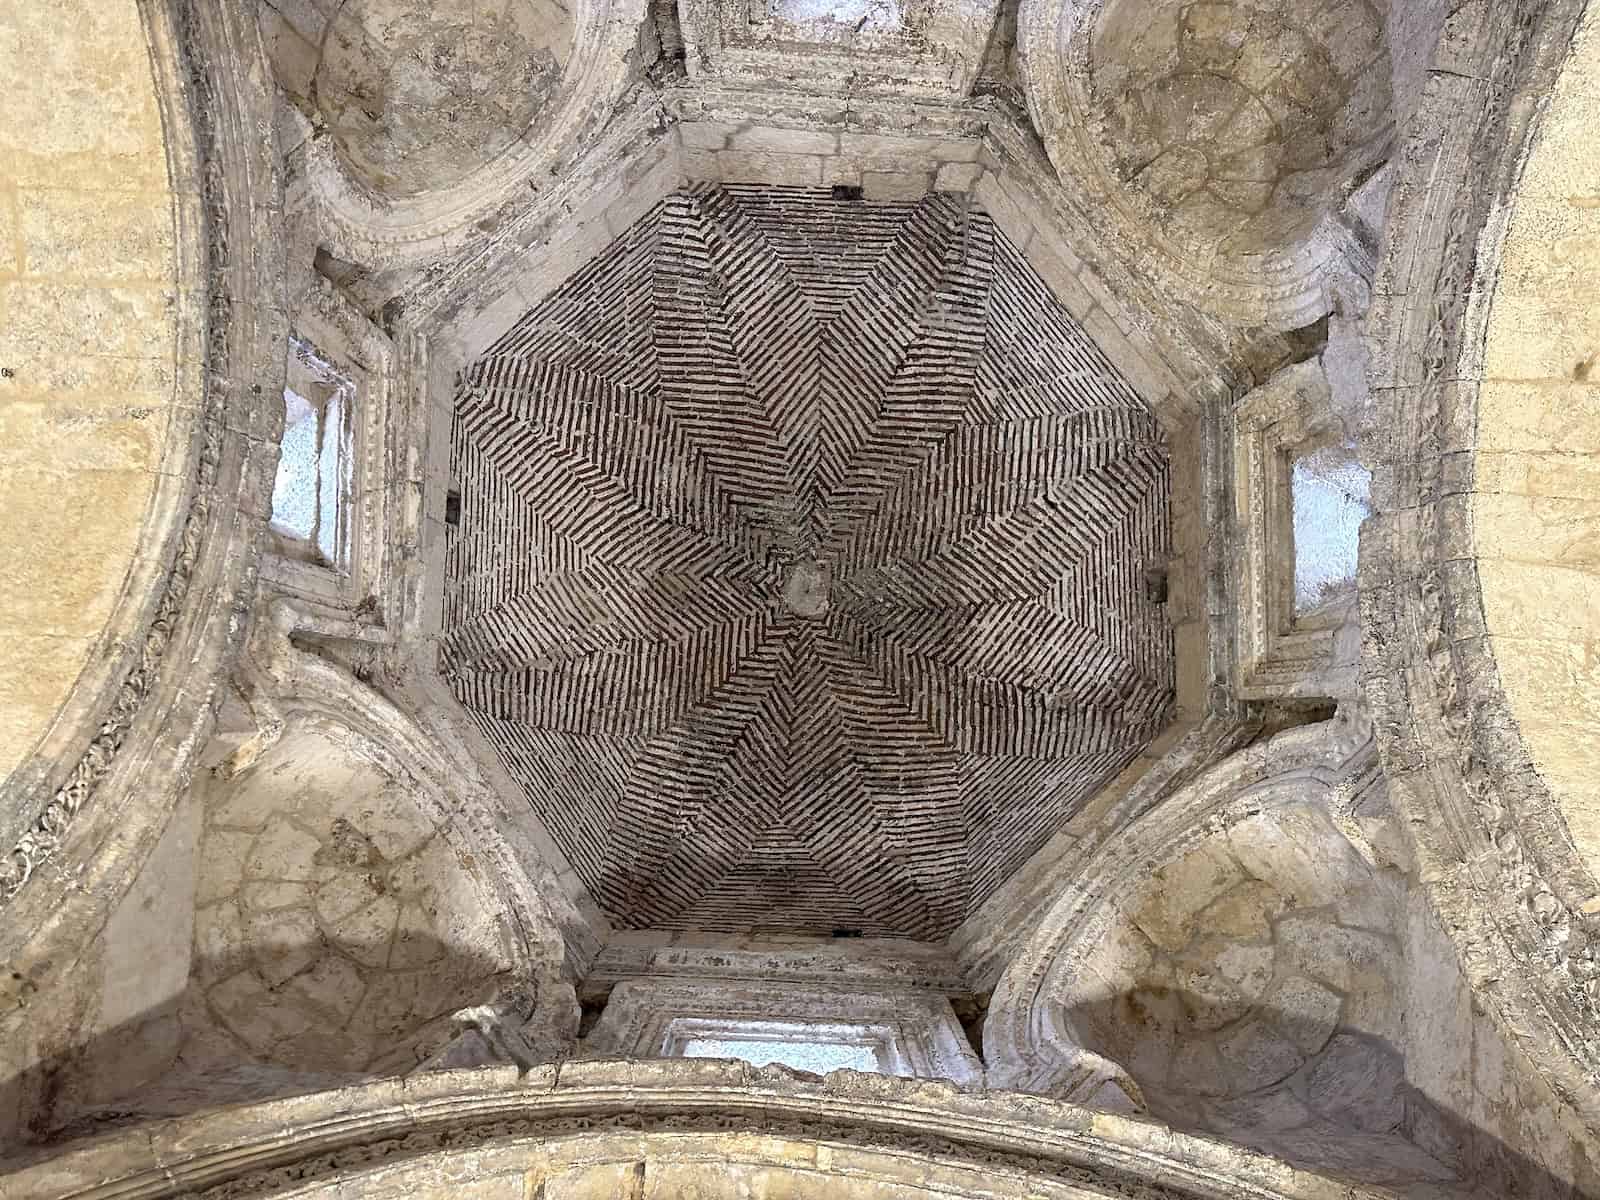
799 578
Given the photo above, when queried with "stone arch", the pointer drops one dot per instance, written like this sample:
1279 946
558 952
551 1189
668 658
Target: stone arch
427 134
1464 321
666 1128
342 914
83 817
414 98
1232 961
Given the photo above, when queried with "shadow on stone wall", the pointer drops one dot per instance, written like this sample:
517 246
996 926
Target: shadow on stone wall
1347 1110
242 1031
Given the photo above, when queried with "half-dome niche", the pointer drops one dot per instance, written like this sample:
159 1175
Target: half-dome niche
1239 125
417 96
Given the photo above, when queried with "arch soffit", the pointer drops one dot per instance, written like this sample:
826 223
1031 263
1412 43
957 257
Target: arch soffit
1498 864
338 1137
90 835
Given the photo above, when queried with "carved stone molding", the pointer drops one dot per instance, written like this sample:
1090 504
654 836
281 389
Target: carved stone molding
1281 654
333 1140
1498 864
334 329
1024 1034
108 808
932 48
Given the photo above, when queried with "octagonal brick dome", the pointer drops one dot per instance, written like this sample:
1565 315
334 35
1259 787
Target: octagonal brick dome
800 574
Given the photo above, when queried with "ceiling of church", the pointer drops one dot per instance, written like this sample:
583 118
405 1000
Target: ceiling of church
1242 121
800 575
418 95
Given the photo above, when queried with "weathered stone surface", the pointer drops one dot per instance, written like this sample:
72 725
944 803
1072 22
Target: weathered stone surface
1282 984
347 923
88 286
417 96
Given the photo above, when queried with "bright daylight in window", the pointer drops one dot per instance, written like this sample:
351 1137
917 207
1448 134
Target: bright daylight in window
1332 495
818 1048
310 494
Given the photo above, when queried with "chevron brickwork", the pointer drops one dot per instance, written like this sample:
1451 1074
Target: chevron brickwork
800 572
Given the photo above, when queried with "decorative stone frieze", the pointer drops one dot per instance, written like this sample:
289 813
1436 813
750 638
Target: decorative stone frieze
452 1128
1498 863
931 48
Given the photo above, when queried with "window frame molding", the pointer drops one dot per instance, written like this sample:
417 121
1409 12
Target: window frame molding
921 1035
1279 655
338 333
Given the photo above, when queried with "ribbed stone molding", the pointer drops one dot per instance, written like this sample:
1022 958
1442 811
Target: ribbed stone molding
1498 864
87 838
487 1121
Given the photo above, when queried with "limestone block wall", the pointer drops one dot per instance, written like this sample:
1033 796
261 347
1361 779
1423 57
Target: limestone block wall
1537 505
1477 1101
98 351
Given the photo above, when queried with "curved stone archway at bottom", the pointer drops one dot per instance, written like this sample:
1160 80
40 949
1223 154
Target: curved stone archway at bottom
670 1128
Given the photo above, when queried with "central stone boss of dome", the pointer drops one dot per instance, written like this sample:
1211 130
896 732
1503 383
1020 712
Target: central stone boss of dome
805 588
798 581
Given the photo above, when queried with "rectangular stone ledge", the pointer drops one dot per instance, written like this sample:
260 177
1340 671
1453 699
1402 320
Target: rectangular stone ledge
639 1073
644 195
1152 381
784 141
485 327
1016 223
1058 267
957 176
891 186
705 135
701 165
